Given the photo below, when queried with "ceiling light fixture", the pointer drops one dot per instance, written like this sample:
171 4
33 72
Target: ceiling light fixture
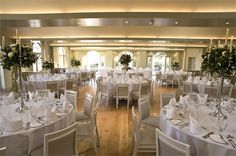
227 23
151 22
176 22
126 21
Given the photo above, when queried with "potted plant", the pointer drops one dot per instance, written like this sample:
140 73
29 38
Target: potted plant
75 63
48 66
175 66
125 59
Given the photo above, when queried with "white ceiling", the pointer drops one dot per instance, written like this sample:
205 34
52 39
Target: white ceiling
70 20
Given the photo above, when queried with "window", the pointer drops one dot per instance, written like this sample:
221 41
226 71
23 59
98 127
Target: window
62 57
191 63
38 50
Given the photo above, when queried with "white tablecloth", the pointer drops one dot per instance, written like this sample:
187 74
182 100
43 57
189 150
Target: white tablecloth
22 142
199 145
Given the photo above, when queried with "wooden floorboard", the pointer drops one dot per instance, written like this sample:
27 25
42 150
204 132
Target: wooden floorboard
115 125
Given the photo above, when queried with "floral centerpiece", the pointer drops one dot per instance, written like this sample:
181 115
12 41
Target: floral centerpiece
10 59
222 61
74 62
175 66
125 59
48 65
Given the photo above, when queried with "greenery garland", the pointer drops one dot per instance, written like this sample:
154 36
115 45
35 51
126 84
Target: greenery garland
74 62
48 65
10 56
125 59
220 60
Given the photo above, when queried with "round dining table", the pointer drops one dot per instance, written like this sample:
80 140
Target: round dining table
29 137
202 143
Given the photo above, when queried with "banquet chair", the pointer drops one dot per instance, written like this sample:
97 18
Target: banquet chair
122 92
3 151
144 113
165 98
83 77
71 96
169 79
143 138
180 82
86 114
62 142
43 92
158 77
69 85
212 91
98 91
89 131
167 146
233 92
144 90
187 87
53 86
226 91
105 91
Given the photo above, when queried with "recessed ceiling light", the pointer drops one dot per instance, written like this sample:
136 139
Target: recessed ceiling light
227 23
176 22
126 21
151 22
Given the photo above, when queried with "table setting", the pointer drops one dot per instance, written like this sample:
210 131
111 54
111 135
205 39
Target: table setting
190 121
45 114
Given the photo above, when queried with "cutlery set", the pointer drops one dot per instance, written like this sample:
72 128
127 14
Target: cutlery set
226 140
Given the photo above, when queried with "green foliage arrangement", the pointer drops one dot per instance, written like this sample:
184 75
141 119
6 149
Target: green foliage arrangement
220 60
10 56
175 66
125 59
74 62
48 65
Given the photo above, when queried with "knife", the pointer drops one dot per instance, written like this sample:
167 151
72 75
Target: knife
207 135
232 143
222 138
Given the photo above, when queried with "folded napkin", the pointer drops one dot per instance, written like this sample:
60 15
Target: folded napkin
172 102
65 106
10 98
62 98
12 123
31 96
194 125
51 95
170 111
202 99
190 79
51 114
183 99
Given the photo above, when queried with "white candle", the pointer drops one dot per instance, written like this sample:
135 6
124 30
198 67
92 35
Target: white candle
231 43
3 42
226 36
210 44
218 43
17 37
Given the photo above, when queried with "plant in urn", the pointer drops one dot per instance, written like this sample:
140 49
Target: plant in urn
14 57
125 59
220 60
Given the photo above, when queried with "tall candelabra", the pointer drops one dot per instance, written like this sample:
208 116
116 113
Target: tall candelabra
22 107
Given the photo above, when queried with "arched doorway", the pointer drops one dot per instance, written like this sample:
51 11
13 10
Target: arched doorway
92 60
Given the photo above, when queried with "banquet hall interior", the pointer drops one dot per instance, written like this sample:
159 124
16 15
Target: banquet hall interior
118 77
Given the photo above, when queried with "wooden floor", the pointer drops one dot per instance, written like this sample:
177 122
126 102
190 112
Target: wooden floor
115 125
